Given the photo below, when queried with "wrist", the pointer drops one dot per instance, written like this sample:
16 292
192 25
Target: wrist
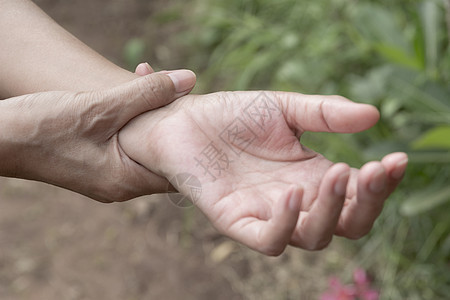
141 139
11 142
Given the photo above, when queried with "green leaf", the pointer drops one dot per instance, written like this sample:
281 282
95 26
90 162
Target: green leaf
436 138
380 25
398 56
430 17
425 201
429 157
427 96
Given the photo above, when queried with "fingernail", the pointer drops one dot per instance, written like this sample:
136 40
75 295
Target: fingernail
399 170
149 68
340 187
378 182
183 80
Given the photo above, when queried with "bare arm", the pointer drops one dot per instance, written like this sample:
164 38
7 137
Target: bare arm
37 54
69 138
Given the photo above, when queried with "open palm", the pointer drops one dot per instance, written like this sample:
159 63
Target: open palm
259 184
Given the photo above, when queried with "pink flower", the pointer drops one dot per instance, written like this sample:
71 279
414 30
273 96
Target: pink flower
360 277
360 290
362 284
339 291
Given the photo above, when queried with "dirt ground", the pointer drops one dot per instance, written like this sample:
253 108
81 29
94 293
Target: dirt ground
55 244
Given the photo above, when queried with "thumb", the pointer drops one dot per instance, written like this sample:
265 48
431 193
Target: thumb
143 94
327 113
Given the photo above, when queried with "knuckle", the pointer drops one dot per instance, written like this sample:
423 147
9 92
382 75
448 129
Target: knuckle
272 251
111 190
323 244
102 200
318 245
156 90
356 235
111 194
338 98
99 192
92 116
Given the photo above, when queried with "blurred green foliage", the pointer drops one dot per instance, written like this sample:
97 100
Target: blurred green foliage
392 54
134 52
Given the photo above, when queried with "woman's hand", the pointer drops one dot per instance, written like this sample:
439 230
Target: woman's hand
259 184
70 139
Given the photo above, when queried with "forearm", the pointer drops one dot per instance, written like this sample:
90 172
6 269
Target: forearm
39 55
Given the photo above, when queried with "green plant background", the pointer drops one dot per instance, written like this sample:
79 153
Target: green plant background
392 54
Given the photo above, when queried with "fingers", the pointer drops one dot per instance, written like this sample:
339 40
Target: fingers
129 100
144 69
272 236
360 214
316 229
326 113
395 166
375 182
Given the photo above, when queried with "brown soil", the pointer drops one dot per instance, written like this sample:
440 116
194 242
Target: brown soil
55 244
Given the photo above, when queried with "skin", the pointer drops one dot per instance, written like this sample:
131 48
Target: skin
38 55
70 139
38 58
276 191
74 131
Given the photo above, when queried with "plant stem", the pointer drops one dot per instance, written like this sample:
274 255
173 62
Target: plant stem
447 17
